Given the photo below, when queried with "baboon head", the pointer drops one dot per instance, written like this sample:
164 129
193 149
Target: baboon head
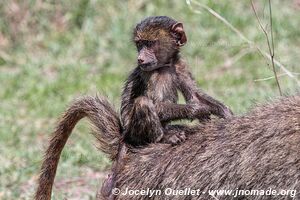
158 40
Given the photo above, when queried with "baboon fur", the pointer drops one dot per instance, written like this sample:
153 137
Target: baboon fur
259 150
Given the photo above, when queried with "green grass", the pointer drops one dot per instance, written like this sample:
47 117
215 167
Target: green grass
51 53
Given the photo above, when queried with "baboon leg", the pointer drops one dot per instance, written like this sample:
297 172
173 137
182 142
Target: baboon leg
145 126
107 186
110 182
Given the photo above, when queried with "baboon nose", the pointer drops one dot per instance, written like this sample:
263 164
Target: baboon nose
140 61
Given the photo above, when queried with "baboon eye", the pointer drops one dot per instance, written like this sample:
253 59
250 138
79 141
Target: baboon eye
149 43
139 45
144 43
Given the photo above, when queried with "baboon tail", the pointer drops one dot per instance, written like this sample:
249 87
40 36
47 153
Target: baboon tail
106 125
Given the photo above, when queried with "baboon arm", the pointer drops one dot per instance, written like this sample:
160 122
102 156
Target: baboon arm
187 86
193 94
216 107
171 111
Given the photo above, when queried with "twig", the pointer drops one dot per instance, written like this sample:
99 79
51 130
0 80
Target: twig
235 58
271 49
242 36
271 77
214 13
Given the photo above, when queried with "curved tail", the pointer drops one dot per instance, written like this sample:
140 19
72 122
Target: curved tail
107 129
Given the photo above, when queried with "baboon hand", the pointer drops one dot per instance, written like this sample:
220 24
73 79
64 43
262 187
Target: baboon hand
223 112
107 186
174 139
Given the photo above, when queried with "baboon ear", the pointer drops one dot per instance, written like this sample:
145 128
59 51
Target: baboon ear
179 34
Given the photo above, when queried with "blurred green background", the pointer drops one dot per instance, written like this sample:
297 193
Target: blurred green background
54 51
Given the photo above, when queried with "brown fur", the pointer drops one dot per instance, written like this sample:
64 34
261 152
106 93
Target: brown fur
150 95
256 151
106 130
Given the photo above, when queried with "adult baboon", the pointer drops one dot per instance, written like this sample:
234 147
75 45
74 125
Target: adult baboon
257 151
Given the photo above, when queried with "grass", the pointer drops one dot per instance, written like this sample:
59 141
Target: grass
51 53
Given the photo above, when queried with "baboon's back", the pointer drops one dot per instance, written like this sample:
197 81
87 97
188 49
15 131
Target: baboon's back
259 150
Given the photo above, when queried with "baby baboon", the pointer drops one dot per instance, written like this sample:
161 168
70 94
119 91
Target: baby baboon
257 151
149 99
149 102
